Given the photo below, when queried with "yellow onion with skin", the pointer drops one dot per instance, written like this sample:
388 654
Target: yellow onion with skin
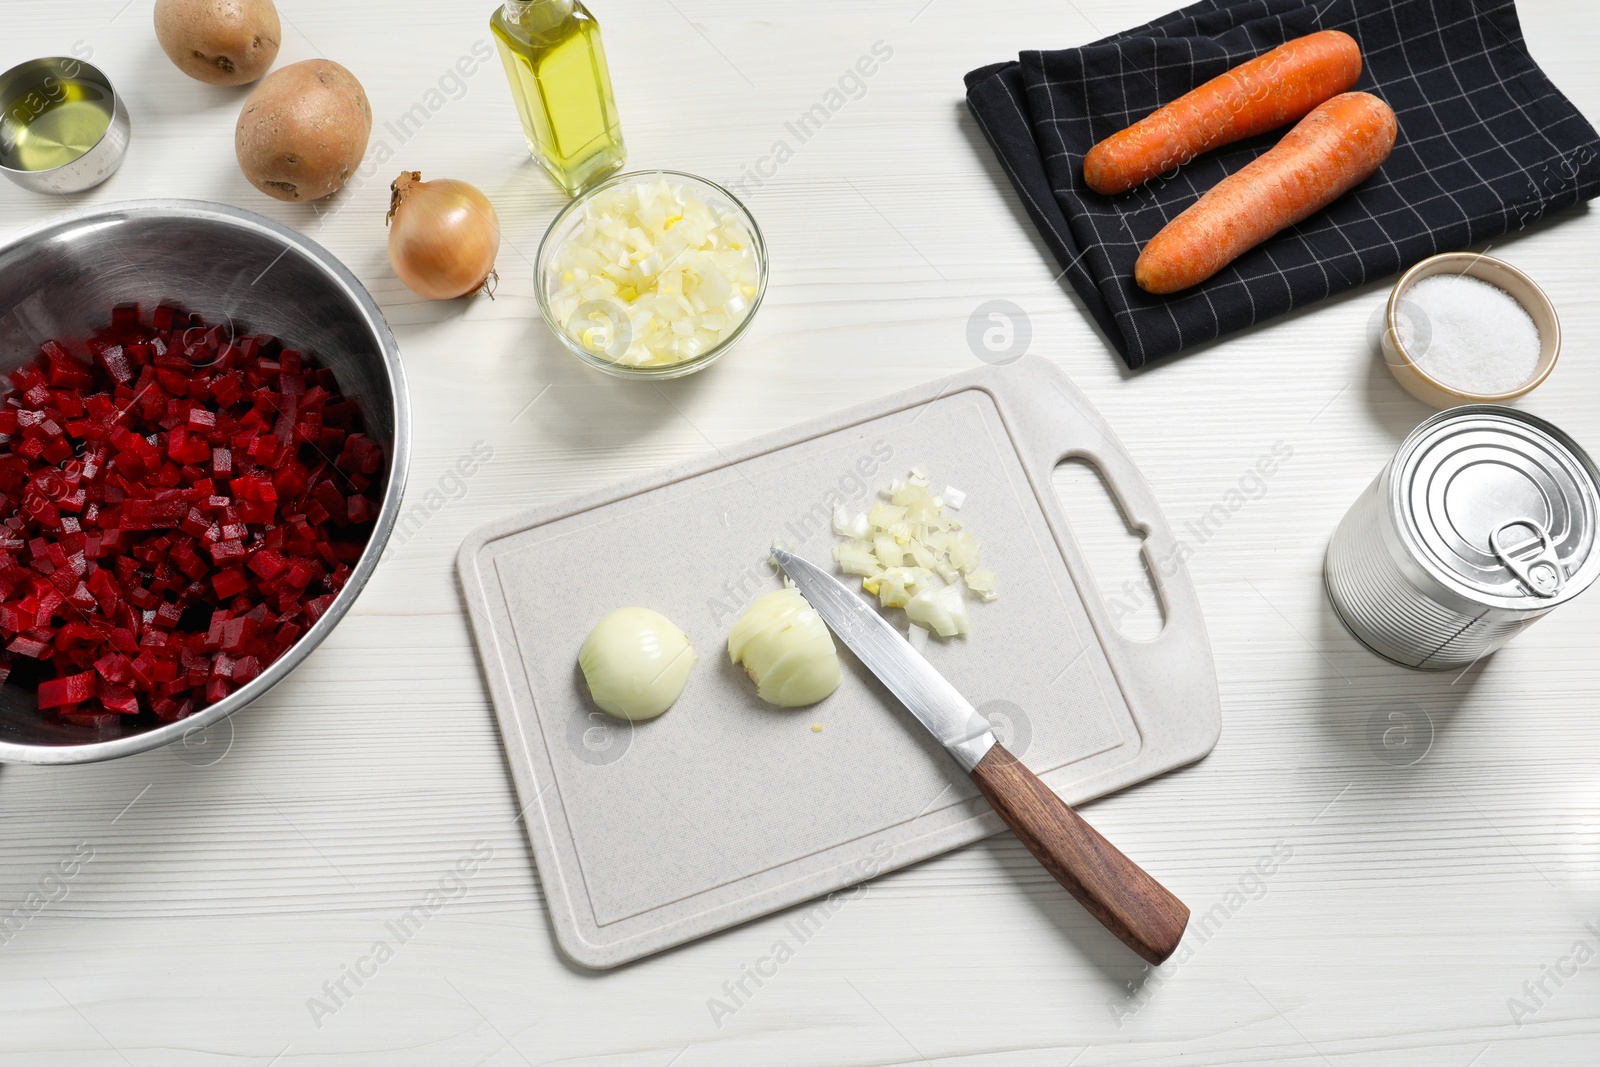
444 236
786 649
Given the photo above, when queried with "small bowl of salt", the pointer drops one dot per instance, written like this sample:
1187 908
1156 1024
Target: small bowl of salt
1463 328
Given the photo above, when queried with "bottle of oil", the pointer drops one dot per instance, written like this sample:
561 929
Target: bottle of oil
558 73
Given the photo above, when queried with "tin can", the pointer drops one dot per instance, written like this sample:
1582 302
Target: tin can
1482 522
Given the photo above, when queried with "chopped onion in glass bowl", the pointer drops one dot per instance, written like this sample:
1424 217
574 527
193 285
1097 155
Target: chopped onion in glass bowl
652 274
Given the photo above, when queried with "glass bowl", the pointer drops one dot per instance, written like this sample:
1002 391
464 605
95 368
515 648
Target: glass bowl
571 216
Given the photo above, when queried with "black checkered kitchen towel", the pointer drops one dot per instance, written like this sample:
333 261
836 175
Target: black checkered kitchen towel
1487 144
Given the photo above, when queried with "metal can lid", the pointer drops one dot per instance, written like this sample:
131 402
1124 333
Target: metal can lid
1500 506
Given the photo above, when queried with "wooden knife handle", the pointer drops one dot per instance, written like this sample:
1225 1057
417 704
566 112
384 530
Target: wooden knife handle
1117 891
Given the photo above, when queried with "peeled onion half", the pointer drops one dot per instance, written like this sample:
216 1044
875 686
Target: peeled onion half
786 649
636 663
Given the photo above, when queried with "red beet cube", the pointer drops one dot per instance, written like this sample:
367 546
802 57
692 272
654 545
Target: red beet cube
245 669
113 667
71 689
120 699
153 514
318 606
32 647
229 583
115 363
268 564
96 720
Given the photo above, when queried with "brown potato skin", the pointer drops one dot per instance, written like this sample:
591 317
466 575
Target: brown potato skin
221 42
304 131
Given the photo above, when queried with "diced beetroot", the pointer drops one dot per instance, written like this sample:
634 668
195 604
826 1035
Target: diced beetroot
120 699
229 583
75 634
165 468
14 618
168 710
300 574
31 647
268 564
255 487
259 512
224 552
153 514
327 494
237 634
96 720
113 667
317 606
64 370
71 689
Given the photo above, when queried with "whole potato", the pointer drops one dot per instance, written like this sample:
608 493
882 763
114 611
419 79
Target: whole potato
223 42
303 131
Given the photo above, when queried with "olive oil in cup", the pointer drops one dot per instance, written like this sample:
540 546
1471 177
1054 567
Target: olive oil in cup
557 69
62 128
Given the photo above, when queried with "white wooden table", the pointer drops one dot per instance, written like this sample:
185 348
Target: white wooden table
220 893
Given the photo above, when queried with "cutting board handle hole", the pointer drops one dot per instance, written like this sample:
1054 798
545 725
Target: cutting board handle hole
1114 548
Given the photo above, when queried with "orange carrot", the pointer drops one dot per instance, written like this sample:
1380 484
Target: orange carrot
1271 90
1331 151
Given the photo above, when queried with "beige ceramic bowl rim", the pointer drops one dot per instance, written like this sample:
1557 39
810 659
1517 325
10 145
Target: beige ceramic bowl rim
1428 268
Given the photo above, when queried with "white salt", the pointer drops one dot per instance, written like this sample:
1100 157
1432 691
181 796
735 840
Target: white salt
1468 335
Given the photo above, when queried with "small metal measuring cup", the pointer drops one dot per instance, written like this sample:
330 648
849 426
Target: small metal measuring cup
31 89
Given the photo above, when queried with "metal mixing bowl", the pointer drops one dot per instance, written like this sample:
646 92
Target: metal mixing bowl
60 280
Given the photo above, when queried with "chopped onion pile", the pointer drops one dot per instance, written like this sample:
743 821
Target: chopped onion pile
653 275
910 555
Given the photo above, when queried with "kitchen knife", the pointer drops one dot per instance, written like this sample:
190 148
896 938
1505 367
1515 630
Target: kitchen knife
1126 900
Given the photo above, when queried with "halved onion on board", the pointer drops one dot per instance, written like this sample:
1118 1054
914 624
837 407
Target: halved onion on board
636 663
786 649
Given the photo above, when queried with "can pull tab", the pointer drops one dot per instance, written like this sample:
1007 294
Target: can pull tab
1539 571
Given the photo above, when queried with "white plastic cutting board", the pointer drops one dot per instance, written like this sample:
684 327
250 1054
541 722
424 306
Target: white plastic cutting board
725 808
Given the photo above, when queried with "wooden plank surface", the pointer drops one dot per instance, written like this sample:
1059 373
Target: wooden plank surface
1351 907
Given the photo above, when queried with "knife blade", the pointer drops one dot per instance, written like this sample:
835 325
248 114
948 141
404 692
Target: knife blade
948 716
1121 895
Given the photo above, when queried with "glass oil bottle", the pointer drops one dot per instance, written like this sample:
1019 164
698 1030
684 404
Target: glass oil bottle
558 73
